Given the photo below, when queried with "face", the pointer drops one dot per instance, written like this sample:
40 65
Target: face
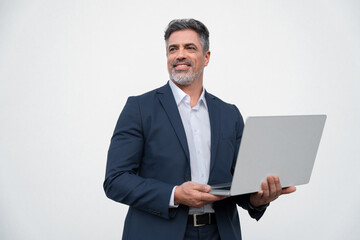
185 57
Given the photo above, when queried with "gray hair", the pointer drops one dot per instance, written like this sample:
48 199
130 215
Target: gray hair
183 24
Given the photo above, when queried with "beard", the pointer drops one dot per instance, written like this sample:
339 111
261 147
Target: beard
184 77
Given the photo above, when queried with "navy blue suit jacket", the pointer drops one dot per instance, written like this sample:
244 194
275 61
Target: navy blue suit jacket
149 155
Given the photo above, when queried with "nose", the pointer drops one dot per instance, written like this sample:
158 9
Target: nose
181 54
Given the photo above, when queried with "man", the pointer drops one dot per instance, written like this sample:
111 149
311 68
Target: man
170 143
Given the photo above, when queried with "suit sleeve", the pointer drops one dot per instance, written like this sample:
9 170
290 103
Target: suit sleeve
122 180
243 200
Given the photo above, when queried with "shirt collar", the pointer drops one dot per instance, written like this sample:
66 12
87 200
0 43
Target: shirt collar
179 95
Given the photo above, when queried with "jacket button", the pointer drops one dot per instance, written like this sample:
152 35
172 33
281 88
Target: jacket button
187 178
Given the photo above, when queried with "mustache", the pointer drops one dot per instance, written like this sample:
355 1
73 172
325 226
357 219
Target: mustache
184 61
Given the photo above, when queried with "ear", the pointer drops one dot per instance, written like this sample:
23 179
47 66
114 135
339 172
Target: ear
166 48
207 58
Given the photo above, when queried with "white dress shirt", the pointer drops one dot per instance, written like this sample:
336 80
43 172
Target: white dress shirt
198 135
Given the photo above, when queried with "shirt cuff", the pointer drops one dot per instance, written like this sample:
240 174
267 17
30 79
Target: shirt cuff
259 208
171 202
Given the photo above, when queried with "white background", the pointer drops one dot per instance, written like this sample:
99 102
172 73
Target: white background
67 68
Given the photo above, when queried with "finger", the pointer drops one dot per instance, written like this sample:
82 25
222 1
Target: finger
288 190
209 198
265 189
272 186
200 187
205 188
278 185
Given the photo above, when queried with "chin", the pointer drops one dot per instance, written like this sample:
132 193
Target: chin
183 82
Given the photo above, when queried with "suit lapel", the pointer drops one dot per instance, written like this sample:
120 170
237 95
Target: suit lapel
214 116
167 100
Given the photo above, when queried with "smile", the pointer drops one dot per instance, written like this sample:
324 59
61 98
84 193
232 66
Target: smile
182 63
181 67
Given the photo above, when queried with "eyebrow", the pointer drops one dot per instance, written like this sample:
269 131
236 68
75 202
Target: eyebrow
185 45
173 45
190 44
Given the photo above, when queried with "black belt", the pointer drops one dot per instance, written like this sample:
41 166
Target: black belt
200 220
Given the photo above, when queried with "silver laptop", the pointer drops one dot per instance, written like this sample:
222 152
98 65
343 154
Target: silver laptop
276 145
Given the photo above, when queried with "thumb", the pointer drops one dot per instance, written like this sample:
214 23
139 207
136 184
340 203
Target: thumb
288 190
204 188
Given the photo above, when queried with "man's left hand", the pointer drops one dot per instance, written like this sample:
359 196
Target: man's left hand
270 190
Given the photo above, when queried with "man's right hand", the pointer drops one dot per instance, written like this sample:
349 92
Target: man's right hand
194 194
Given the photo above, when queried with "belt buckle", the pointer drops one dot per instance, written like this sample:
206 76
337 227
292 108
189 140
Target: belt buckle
195 221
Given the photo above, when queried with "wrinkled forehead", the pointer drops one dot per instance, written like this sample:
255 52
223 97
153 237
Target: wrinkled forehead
184 37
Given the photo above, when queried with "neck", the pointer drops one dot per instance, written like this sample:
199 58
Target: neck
194 90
